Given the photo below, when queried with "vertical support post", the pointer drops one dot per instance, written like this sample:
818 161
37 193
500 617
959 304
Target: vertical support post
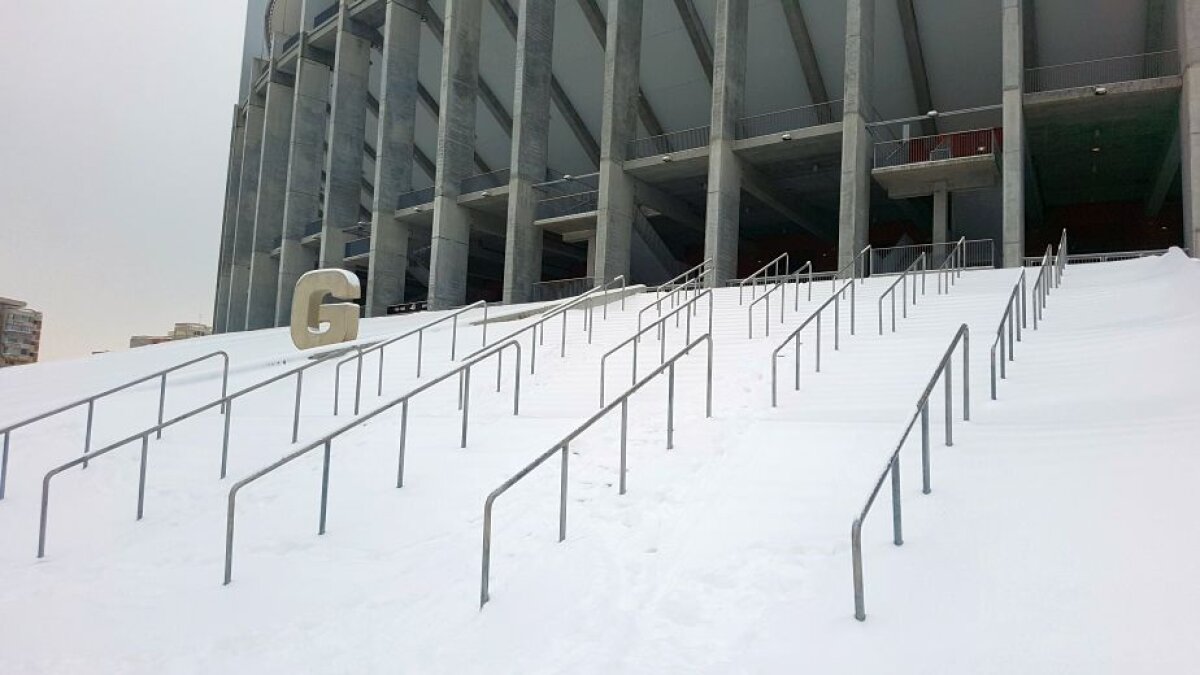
225 437
142 476
162 402
856 557
1013 79
466 404
296 407
562 496
925 474
403 442
854 211
324 486
671 406
947 375
87 434
897 529
624 439
4 465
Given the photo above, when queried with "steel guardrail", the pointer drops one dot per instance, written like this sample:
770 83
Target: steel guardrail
91 407
771 269
835 300
1016 302
562 446
379 347
944 371
903 279
688 308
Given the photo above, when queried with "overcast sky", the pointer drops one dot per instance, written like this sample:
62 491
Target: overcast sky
114 141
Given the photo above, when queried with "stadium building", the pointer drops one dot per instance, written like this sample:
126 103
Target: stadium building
457 150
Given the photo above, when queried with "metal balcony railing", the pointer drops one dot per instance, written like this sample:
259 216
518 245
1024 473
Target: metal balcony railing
313 227
1102 71
358 247
568 205
675 141
977 253
415 198
787 120
289 43
325 15
939 147
484 181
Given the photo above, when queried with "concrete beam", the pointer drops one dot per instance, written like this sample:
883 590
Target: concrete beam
855 205
802 41
916 63
616 206
530 145
725 170
1189 121
347 134
272 196
557 94
697 36
1013 79
396 145
668 205
243 237
1164 177
595 19
456 144
302 204
237 135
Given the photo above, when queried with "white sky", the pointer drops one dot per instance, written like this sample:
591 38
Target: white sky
114 142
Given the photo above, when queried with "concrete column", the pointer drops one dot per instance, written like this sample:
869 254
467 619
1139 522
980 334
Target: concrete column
1013 78
228 222
243 236
591 255
272 193
722 219
347 131
530 144
456 144
854 216
617 207
302 205
1189 120
941 214
394 157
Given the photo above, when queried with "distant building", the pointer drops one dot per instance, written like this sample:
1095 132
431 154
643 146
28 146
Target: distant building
181 331
20 333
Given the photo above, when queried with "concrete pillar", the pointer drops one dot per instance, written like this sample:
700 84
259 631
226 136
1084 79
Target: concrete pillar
530 144
272 194
617 207
591 255
229 220
302 204
1012 72
722 219
455 151
347 131
243 236
394 157
941 214
1189 121
854 215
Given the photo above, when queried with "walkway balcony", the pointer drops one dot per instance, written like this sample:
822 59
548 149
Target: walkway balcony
1100 72
962 160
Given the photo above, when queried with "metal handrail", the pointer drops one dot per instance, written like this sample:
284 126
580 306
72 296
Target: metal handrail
773 266
226 402
700 270
1112 256
464 373
560 309
853 267
660 323
891 291
91 407
1041 286
604 288
420 333
835 299
1016 301
1060 260
893 466
952 267
561 446
781 283
673 298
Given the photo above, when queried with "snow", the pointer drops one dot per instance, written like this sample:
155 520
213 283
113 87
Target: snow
1058 536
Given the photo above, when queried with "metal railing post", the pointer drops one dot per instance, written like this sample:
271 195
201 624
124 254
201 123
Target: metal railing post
296 409
671 407
403 443
162 402
324 487
925 474
466 406
141 499
946 375
562 495
624 439
897 526
225 437
87 437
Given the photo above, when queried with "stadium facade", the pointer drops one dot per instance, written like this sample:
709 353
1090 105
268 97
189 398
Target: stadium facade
456 150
